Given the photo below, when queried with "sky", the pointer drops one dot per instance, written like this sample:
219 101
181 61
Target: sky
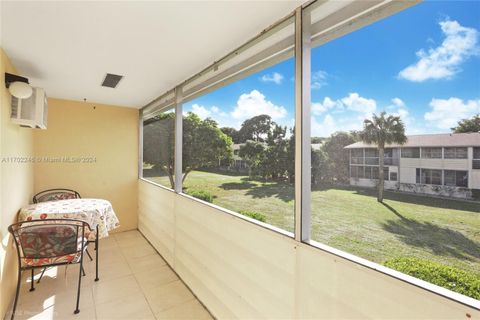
422 64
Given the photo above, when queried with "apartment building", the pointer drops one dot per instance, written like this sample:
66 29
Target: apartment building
437 164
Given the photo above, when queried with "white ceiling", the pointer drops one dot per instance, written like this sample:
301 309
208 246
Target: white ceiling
68 47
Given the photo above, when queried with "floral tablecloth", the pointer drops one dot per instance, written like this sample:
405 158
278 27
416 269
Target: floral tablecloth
96 212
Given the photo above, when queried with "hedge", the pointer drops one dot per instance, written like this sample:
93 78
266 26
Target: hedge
452 278
255 215
202 195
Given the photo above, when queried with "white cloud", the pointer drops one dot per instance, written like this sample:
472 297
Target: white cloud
447 112
345 114
398 102
319 79
329 124
444 61
355 102
204 112
321 107
200 111
254 104
352 102
399 108
275 77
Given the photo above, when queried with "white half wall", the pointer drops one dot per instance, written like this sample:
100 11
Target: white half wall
241 270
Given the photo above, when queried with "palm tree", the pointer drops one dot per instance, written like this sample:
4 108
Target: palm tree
381 130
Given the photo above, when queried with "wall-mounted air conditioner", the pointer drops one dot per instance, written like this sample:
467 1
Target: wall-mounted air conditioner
31 112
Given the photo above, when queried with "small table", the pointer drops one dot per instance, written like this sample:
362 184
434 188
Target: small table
97 213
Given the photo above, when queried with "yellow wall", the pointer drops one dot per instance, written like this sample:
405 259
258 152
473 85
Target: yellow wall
16 185
107 133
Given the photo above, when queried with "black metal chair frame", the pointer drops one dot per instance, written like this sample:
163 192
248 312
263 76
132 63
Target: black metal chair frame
60 190
79 224
77 196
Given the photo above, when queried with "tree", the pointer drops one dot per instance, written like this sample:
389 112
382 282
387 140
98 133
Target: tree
233 133
336 156
254 154
256 128
468 125
275 161
291 156
160 131
204 144
317 140
320 166
382 130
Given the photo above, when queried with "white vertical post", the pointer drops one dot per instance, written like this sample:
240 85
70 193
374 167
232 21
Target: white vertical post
178 138
302 126
140 143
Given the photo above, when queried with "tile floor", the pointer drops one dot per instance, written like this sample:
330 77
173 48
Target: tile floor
135 283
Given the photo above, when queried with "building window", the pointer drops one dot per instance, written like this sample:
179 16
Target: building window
393 176
357 172
371 156
455 153
371 173
410 152
356 156
432 153
455 178
476 158
386 171
158 148
429 176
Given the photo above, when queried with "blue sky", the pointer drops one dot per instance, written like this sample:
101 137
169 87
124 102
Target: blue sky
422 64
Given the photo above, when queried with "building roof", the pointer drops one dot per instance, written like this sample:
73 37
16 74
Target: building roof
431 140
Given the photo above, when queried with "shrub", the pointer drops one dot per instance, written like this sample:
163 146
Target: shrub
255 215
458 280
202 195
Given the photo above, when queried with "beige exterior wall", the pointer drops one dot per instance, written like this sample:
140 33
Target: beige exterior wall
372 183
475 179
16 185
446 164
474 174
107 133
240 270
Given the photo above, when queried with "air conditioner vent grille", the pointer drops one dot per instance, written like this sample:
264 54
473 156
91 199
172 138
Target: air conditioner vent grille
14 107
111 80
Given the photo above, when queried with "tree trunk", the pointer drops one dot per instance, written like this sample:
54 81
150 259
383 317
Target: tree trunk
169 171
381 180
187 171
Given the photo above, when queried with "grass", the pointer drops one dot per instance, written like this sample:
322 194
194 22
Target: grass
350 219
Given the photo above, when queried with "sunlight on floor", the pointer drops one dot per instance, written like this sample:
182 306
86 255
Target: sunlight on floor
135 283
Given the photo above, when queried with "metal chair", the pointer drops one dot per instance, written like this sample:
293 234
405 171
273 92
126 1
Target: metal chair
48 243
55 194
64 194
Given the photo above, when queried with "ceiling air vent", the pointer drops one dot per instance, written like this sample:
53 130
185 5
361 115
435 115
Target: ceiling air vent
111 80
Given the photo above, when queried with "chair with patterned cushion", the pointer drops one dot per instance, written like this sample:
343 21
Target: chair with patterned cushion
55 194
48 243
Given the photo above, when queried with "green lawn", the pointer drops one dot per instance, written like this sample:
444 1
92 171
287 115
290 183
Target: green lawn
350 219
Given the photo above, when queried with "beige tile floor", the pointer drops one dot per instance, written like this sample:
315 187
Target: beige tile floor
135 283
